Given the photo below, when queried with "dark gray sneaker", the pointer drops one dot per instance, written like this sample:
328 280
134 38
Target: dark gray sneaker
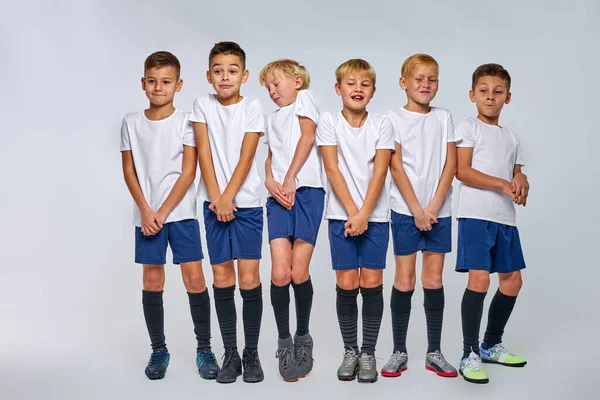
436 362
287 362
349 368
367 368
303 348
253 372
232 366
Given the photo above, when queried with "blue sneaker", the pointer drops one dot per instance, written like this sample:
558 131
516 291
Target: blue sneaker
157 366
207 364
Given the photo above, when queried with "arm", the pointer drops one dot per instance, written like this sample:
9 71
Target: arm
336 179
182 184
273 186
150 226
423 218
520 186
207 168
445 180
303 148
470 176
359 223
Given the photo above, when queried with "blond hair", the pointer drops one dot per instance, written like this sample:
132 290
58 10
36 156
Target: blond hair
417 60
288 68
355 66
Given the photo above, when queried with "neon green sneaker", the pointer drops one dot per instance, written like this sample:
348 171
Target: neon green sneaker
470 369
499 355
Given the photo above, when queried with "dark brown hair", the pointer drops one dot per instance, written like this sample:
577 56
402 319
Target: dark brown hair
162 59
227 48
491 70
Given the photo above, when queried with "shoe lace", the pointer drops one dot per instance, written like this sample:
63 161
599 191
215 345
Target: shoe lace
349 357
228 358
207 356
366 362
158 358
474 361
439 359
251 360
302 355
285 356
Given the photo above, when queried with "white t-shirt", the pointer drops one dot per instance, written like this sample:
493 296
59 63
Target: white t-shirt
496 151
283 133
424 142
227 126
157 150
356 153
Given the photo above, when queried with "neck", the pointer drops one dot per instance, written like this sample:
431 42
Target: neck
236 98
156 113
413 106
488 120
354 117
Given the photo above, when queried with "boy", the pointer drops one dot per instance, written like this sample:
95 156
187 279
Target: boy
159 165
356 148
294 209
489 167
227 128
423 167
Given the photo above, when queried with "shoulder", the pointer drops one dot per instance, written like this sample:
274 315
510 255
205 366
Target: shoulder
442 112
132 117
326 117
205 99
468 124
306 96
252 104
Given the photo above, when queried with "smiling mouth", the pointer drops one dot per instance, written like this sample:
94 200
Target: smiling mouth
357 97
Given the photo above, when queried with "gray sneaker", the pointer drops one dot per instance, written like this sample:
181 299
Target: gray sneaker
287 364
347 371
367 369
396 365
303 348
436 362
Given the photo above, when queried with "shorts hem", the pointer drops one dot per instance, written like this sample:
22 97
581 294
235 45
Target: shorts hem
248 257
150 262
188 259
312 241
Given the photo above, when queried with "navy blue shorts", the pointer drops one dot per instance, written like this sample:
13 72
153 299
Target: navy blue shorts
488 246
408 239
183 236
368 250
302 221
239 238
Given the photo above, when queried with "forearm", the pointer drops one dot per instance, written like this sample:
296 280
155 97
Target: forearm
406 190
179 190
477 179
446 179
133 185
303 148
373 192
208 176
268 169
340 188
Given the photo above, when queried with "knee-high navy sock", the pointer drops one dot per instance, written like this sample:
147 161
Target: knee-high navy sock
252 315
500 310
372 312
347 312
154 315
434 314
200 309
471 310
226 314
303 295
400 305
280 300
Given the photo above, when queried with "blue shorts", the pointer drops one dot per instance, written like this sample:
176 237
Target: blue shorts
183 236
239 238
488 246
368 250
302 221
408 239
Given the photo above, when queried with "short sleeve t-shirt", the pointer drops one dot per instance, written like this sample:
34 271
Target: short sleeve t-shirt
157 151
227 126
424 142
283 133
356 149
496 151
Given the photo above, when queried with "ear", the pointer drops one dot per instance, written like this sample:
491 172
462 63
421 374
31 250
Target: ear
508 97
374 90
298 82
208 77
337 89
245 76
402 83
178 85
472 96
143 83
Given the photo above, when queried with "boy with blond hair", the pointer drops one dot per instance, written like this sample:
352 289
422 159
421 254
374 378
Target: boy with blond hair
356 148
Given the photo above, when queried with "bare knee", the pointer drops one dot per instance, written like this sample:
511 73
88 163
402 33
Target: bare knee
405 282
248 274
154 278
479 281
299 275
431 281
370 278
511 284
194 281
347 280
223 275
281 276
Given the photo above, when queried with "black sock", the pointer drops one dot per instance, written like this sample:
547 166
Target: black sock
280 300
500 310
471 310
303 294
434 314
252 315
200 309
347 313
400 305
155 317
225 306
372 312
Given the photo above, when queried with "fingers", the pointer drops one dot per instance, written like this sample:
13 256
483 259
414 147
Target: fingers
282 200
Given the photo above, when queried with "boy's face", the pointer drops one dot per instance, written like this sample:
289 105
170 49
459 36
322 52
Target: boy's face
226 75
283 90
356 91
490 95
421 85
161 84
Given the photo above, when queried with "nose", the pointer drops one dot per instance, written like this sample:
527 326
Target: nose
158 87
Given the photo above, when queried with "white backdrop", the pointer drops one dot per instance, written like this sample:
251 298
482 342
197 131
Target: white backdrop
70 303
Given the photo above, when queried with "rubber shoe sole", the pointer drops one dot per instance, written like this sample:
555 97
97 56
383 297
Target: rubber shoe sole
518 365
478 381
393 374
443 374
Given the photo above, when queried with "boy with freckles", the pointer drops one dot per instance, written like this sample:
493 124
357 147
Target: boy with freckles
489 168
227 128
356 148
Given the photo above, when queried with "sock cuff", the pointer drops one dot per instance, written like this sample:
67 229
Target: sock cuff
433 291
225 293
474 294
371 291
500 294
303 290
347 293
152 298
275 288
250 294
197 299
397 292
433 299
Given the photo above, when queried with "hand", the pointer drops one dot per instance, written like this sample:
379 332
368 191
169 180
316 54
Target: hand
151 223
433 210
275 190
289 188
356 224
424 219
507 189
224 208
520 186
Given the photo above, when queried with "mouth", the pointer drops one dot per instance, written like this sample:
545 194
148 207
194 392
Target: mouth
225 86
425 92
357 97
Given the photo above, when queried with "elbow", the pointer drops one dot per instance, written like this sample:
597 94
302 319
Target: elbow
460 174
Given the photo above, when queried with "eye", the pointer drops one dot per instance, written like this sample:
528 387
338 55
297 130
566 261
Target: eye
233 71
166 82
418 79
433 80
150 80
482 90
